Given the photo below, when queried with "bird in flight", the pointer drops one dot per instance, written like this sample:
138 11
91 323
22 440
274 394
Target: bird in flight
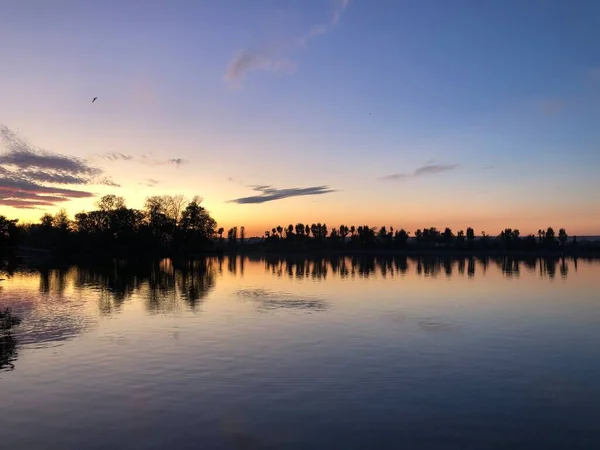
94 99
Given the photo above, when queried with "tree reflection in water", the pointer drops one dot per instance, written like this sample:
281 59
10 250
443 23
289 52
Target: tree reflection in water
427 266
8 344
163 284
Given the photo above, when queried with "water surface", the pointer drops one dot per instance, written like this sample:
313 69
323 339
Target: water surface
351 353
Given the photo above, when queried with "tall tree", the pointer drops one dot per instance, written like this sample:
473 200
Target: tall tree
196 223
448 236
401 237
470 235
562 237
8 231
110 202
47 220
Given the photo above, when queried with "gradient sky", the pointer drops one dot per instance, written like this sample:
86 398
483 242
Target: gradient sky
401 113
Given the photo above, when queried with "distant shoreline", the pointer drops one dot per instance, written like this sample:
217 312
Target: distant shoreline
34 254
415 252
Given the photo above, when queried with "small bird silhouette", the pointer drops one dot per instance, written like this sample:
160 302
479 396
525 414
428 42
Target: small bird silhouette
94 99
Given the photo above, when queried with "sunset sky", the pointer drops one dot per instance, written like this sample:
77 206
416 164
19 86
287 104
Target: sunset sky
384 112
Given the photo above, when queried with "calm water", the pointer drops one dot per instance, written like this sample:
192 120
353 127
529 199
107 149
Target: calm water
297 354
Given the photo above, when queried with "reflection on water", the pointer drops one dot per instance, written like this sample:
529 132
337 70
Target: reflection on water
8 351
169 285
384 266
271 352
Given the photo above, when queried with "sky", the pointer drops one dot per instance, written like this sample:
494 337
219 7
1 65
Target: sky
399 113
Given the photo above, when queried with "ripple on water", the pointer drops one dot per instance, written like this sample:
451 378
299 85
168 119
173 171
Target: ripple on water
268 300
432 325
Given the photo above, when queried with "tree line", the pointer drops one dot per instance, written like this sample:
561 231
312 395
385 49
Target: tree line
170 224
364 236
166 224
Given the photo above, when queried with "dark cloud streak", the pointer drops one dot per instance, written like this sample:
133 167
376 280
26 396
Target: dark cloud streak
25 171
429 169
145 158
116 157
269 194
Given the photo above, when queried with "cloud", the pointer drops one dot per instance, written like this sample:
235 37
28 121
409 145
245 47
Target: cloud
151 182
26 171
116 156
340 6
18 192
24 156
489 167
108 182
269 194
267 58
145 158
177 161
428 169
55 178
246 61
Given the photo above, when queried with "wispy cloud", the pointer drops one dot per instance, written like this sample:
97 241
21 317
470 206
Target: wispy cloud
146 158
21 193
247 60
268 59
150 182
489 167
340 6
178 161
26 172
428 169
113 156
106 181
269 193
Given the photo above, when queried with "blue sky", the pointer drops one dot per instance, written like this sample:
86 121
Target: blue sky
501 100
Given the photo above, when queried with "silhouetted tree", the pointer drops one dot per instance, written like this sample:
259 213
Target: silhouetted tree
343 232
562 237
197 226
232 235
541 235
110 202
47 220
419 236
549 237
8 232
401 237
448 236
431 235
382 235
470 236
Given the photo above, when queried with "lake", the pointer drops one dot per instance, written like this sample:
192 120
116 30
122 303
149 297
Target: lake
295 353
